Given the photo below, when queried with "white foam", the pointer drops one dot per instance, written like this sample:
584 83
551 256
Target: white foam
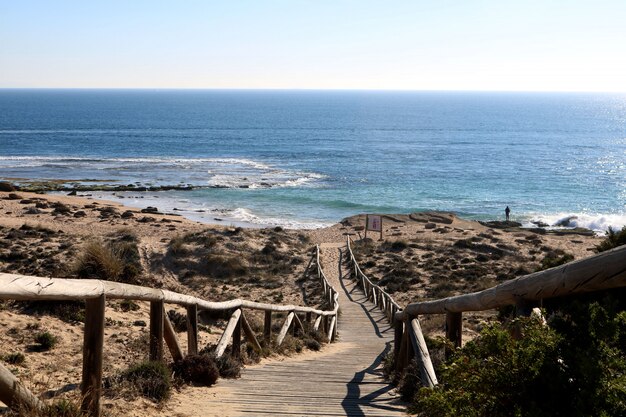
597 222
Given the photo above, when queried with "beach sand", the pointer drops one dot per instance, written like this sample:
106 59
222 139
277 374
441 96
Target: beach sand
426 255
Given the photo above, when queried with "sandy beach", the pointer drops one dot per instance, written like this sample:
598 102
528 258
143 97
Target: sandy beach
422 255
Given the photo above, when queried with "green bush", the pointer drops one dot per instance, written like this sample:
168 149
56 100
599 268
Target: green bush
197 369
151 379
613 239
16 358
45 341
575 367
228 366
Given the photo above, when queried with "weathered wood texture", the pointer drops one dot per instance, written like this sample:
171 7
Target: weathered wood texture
13 393
599 272
420 350
93 347
156 330
192 329
170 338
345 379
228 333
23 287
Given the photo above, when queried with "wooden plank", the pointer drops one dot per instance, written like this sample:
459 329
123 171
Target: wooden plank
156 331
228 332
429 379
170 338
93 345
284 329
192 329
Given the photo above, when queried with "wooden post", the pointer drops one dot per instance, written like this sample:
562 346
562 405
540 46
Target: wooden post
15 395
228 333
284 329
93 345
397 339
297 324
316 325
307 317
331 329
454 328
250 336
429 379
236 347
170 338
267 329
156 331
192 329
401 359
367 216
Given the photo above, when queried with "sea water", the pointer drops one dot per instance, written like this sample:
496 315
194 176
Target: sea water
311 158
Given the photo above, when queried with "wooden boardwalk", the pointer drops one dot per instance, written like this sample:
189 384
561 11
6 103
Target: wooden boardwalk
346 380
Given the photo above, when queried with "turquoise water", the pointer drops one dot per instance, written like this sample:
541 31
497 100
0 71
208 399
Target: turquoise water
306 159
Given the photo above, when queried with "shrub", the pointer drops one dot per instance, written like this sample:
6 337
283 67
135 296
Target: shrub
221 266
574 367
228 367
62 408
113 261
45 341
553 259
128 305
151 379
16 358
98 261
198 369
613 239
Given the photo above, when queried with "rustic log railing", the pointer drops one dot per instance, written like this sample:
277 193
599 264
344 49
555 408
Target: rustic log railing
96 292
408 338
603 271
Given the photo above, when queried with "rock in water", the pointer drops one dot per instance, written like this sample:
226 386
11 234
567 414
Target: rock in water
566 222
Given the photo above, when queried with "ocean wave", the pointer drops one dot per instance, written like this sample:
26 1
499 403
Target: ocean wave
213 172
597 222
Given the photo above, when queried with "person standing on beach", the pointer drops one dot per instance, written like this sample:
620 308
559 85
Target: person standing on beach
507 211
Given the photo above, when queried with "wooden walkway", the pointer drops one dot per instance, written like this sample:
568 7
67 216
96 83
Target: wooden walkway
346 380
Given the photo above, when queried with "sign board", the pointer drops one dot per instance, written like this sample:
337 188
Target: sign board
374 223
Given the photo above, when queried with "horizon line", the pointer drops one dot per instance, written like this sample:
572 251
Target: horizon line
280 89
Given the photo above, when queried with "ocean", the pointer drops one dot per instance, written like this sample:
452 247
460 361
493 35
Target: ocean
305 159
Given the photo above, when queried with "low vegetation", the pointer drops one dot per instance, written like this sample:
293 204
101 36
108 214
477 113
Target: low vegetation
573 366
45 341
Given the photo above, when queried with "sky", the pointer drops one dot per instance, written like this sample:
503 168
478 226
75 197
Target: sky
490 45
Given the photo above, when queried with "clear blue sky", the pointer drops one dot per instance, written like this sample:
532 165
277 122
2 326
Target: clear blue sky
340 44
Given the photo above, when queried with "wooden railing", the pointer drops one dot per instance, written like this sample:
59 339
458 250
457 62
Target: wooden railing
96 292
409 341
604 271
373 292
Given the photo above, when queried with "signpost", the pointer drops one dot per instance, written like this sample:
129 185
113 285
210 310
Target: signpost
374 222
